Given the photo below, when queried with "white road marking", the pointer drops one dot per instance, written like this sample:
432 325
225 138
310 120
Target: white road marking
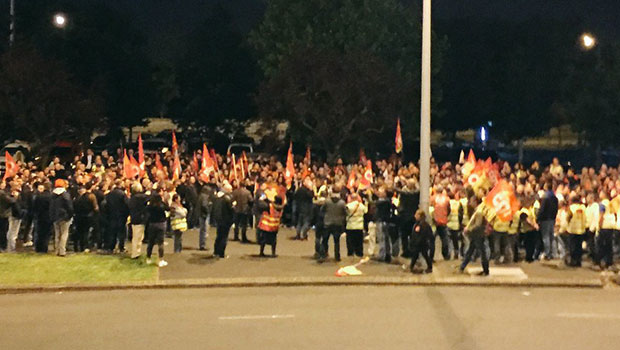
589 316
255 317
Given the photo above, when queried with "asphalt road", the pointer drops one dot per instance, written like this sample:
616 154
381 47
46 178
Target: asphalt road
314 318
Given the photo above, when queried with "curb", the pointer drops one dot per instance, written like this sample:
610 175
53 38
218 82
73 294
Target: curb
314 281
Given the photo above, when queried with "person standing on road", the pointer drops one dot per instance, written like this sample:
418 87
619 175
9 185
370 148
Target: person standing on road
454 224
546 220
441 206
61 213
156 224
408 205
303 200
383 214
335 219
269 223
242 196
207 194
476 231
137 216
576 229
223 211
178 222
355 226
420 238
5 212
84 205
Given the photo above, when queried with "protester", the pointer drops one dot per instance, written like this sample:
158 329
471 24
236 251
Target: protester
223 212
178 222
242 196
334 220
355 226
156 224
61 213
269 223
421 237
137 216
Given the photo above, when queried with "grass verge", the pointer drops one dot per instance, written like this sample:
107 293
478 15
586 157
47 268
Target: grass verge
31 268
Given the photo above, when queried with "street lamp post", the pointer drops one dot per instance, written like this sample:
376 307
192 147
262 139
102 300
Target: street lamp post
425 108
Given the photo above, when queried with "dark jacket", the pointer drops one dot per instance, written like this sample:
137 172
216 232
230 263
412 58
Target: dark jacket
137 208
157 213
116 205
243 197
205 200
61 207
83 205
548 207
5 204
409 203
422 234
335 211
304 197
223 209
383 211
41 207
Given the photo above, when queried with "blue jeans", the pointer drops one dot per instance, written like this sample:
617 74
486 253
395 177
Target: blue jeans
480 244
546 230
303 225
202 233
384 240
442 233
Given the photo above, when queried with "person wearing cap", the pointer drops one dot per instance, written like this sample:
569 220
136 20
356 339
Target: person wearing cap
61 213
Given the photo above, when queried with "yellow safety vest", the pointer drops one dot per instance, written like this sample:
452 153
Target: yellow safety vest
525 226
453 216
577 223
513 227
592 217
465 220
501 226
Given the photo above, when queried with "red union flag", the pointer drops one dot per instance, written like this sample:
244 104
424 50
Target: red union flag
141 156
367 178
351 181
503 201
128 169
399 139
10 165
289 174
469 165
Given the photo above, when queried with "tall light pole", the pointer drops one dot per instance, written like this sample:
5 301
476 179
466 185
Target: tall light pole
425 109
12 23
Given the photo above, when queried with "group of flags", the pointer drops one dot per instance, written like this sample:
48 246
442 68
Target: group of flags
481 174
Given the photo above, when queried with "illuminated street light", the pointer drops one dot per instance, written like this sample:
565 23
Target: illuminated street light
60 20
588 41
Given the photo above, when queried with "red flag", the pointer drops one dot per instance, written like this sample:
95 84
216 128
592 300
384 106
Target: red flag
307 159
233 170
128 170
305 173
207 164
141 156
351 181
399 139
175 145
503 201
289 174
245 164
135 167
10 166
471 158
367 178
176 167
469 165
214 157
362 156
158 164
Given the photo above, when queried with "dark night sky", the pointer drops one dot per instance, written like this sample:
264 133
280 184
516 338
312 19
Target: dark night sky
164 21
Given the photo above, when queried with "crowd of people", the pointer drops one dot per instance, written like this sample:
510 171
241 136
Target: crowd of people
562 213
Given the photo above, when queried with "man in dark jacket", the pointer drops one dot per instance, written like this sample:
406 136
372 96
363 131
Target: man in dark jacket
223 211
137 213
384 210
421 236
84 206
243 198
61 213
207 194
335 220
117 212
41 216
303 198
546 220
408 205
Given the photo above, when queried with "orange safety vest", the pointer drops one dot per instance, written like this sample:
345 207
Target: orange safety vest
441 209
270 221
